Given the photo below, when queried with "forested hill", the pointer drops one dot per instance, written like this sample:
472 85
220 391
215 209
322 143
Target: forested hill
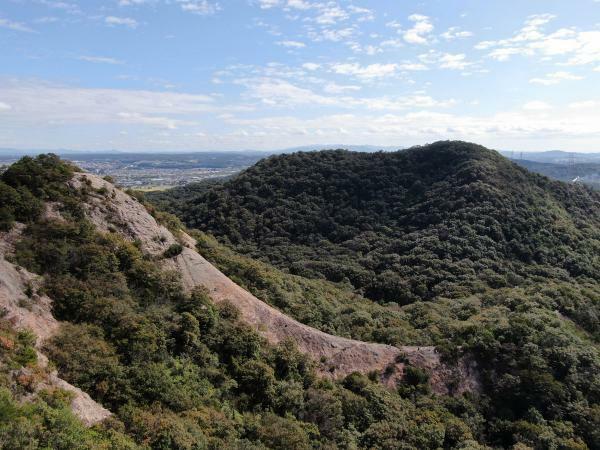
448 219
104 286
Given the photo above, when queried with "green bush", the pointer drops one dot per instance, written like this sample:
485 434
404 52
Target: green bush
173 251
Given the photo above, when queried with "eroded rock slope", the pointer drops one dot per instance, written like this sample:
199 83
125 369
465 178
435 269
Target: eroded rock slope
25 309
116 211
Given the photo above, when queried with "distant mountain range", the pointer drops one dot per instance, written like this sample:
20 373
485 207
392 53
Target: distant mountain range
549 156
7 152
557 164
553 156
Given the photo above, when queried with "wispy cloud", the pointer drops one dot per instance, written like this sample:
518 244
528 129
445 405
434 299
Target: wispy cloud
456 33
311 66
15 26
457 61
292 44
536 105
368 72
68 7
555 78
199 7
42 103
121 21
100 60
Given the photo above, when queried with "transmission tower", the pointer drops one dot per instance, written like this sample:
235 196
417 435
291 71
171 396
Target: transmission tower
572 170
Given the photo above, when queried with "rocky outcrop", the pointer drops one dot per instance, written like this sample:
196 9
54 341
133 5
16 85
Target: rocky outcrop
24 309
113 210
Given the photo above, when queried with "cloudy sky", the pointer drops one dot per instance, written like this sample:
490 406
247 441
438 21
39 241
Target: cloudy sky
268 74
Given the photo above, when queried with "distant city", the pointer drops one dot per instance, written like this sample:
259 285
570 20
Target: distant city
158 171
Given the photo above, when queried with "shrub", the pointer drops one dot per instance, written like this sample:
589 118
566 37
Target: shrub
173 250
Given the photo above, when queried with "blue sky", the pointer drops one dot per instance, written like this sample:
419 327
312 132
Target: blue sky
267 74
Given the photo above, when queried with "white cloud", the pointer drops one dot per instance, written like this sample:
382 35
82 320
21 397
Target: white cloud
135 2
199 7
292 44
446 60
15 26
334 88
123 21
585 104
368 72
536 105
100 60
418 34
456 33
454 62
156 121
588 50
311 66
46 19
267 4
37 103
485 45
578 47
70 8
322 20
392 43
555 78
5 107
524 128
331 15
281 93
299 4
277 92
504 54
364 13
333 35
418 100
412 66
366 49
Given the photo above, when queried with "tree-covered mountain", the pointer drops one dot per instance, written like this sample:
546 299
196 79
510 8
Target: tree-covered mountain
449 219
179 371
476 254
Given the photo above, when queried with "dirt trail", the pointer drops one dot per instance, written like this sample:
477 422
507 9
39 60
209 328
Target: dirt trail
335 355
35 314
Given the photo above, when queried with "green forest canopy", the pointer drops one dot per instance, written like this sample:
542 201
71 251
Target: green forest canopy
181 373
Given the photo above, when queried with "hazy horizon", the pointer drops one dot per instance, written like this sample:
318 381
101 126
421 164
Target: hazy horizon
351 147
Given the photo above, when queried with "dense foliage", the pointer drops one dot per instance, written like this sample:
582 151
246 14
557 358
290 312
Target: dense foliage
464 250
330 307
181 373
450 219
46 422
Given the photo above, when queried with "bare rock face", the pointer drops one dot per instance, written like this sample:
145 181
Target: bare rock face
24 309
336 356
15 282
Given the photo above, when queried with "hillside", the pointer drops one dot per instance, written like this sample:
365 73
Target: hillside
172 353
449 219
181 356
465 249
